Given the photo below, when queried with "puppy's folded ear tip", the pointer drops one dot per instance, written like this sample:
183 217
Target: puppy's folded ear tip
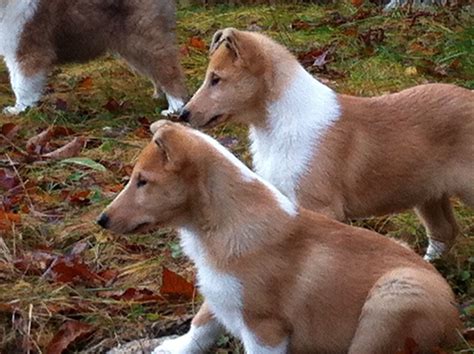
159 124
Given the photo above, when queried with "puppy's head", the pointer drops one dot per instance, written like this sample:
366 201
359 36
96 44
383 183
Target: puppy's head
234 84
161 185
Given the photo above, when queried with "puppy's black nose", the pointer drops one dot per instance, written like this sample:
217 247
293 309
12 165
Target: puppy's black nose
185 115
103 220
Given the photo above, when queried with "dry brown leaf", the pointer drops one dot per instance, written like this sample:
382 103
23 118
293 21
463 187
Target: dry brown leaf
71 149
174 286
70 332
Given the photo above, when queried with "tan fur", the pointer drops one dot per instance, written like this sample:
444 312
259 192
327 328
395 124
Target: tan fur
141 31
412 149
327 286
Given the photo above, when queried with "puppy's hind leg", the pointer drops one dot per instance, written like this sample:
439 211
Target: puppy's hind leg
26 84
441 227
400 311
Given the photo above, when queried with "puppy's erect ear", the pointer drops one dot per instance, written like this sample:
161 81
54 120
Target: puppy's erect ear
216 41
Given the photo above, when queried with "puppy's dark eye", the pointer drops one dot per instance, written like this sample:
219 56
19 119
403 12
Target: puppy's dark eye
141 183
215 80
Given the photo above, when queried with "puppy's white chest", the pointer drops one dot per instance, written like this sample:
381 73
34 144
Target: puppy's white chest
222 291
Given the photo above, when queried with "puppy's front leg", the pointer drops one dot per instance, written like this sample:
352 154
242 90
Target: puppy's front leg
265 336
204 331
27 87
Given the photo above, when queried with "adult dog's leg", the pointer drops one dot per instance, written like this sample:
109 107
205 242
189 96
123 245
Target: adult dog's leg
27 85
441 227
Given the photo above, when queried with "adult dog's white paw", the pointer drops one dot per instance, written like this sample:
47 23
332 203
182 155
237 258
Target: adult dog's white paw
13 110
435 250
180 345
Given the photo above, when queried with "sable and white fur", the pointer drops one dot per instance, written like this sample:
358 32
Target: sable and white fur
35 35
347 157
280 278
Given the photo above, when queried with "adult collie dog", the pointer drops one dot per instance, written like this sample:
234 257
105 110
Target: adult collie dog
280 278
347 157
37 34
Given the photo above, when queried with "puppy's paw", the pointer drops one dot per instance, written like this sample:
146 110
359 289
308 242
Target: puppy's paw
180 345
13 110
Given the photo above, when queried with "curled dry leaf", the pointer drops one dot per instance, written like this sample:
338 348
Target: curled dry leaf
174 286
71 149
9 130
37 143
70 332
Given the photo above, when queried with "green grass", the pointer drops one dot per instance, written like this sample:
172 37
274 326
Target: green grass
432 49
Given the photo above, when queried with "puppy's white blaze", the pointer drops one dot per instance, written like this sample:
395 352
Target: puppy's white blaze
296 123
199 339
222 291
286 204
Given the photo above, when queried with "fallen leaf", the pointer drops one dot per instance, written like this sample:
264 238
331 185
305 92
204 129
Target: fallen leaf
174 286
61 105
9 130
71 149
70 332
8 179
79 198
36 143
35 262
86 83
8 219
357 3
197 42
73 270
112 105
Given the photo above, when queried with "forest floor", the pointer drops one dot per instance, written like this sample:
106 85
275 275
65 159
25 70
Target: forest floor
65 284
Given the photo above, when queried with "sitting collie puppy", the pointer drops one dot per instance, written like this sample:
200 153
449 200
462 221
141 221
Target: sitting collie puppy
347 157
37 34
280 278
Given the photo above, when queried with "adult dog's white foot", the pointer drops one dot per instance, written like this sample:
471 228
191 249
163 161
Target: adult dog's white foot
435 250
14 110
174 106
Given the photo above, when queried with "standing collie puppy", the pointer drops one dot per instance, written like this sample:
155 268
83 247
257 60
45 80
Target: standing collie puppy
37 34
347 157
280 278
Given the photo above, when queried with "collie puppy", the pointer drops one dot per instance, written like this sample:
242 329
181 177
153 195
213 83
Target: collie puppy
280 278
35 35
347 157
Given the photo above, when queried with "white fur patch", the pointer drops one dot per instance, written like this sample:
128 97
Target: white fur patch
27 90
223 293
197 340
296 122
287 205
174 105
435 250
